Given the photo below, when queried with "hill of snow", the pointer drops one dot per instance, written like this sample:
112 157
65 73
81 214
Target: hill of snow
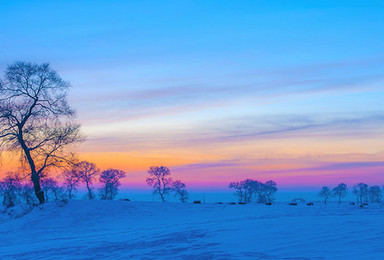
153 230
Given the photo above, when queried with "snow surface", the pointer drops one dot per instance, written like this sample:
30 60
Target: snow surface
154 230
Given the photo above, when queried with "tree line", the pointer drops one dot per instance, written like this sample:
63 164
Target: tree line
162 184
16 188
362 192
252 190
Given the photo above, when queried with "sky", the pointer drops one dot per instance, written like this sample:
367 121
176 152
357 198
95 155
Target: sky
218 91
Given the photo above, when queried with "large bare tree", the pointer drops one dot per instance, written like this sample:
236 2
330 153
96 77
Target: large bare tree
35 118
160 181
87 172
111 181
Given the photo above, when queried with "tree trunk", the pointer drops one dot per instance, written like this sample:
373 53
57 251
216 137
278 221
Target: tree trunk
36 186
34 174
162 197
89 191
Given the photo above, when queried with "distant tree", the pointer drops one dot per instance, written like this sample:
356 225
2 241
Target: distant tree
375 194
361 192
356 193
251 187
270 190
10 188
239 189
340 191
179 188
111 181
71 178
160 181
325 193
36 120
261 191
52 189
87 173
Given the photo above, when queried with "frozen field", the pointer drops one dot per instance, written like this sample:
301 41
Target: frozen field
151 230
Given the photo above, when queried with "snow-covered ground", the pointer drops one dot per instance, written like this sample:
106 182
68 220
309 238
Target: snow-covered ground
154 230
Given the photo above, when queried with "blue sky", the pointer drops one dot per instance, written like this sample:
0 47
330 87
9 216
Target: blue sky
211 82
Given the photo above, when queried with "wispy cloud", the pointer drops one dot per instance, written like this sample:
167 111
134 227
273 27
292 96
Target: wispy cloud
235 131
131 102
296 126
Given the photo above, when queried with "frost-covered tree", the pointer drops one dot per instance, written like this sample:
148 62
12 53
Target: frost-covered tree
245 189
71 178
160 181
325 193
52 189
361 192
111 181
375 194
249 189
10 189
239 189
87 172
36 120
270 190
261 192
27 194
179 188
14 190
340 191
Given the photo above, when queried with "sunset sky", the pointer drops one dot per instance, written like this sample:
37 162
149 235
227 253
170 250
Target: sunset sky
218 91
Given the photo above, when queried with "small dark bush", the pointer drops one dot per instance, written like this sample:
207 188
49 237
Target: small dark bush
293 204
310 204
61 203
242 203
196 202
219 202
232 203
268 203
125 199
351 203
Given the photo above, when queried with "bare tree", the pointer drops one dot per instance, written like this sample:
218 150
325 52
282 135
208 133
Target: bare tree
10 187
71 179
270 190
35 118
340 191
52 189
375 194
87 172
356 193
361 192
179 188
261 192
27 194
111 181
159 180
250 188
325 193
239 187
